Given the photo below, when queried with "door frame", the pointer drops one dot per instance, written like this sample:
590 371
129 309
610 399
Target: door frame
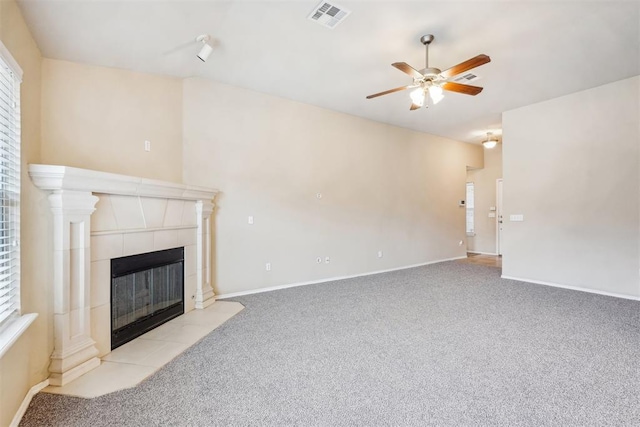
499 191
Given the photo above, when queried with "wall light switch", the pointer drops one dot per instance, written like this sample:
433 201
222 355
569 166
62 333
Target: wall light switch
492 214
516 218
250 220
380 254
327 260
267 266
147 146
492 208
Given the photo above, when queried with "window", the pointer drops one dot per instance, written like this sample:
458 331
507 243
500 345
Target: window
469 203
10 79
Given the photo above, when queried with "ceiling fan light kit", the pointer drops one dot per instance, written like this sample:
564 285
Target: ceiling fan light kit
432 80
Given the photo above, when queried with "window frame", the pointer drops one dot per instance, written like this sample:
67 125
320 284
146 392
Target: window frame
12 327
470 209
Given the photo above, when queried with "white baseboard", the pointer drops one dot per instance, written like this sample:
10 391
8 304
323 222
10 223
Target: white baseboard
482 253
330 279
25 403
573 288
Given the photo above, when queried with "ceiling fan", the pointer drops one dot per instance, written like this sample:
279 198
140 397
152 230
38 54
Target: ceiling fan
432 81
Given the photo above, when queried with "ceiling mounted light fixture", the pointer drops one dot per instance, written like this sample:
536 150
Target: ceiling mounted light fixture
206 49
490 142
433 80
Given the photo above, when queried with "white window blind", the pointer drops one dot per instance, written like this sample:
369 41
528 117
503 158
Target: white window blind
10 78
469 204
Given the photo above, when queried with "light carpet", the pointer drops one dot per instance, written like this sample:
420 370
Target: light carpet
445 344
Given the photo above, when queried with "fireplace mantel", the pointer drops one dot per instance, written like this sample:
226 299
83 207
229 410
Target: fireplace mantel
54 177
134 215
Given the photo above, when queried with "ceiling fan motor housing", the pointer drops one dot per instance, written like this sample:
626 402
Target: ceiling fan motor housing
426 39
430 72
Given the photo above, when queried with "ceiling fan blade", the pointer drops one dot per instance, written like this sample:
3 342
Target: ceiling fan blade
414 107
408 69
386 92
465 66
460 88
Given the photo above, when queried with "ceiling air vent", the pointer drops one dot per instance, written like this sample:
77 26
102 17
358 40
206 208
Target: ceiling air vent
466 78
328 14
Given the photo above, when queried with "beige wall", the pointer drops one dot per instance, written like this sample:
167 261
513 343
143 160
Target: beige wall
26 362
484 182
383 188
98 118
83 116
571 167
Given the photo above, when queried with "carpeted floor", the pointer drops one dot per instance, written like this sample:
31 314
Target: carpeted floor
446 344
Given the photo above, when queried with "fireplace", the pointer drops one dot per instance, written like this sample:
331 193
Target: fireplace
101 216
147 290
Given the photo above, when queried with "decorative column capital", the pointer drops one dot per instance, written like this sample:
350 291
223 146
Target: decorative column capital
66 202
205 208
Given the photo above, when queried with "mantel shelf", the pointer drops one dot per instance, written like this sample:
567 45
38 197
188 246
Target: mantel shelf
55 178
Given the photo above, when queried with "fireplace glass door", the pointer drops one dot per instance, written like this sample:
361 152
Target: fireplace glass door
146 291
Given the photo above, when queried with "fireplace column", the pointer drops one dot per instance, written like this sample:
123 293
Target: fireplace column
204 292
74 350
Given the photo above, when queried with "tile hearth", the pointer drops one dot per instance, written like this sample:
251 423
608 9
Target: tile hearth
127 366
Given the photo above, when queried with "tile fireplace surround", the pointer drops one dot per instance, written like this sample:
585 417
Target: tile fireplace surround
98 216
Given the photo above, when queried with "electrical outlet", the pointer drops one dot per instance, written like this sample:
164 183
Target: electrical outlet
267 266
380 254
250 220
327 260
147 146
461 242
319 196
319 260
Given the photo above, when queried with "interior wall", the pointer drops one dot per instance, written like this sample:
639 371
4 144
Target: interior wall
82 116
382 188
99 118
571 167
26 362
484 187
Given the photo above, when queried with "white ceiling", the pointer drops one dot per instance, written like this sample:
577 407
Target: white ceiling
539 50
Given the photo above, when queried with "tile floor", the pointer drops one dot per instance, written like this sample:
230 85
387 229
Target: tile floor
480 259
131 363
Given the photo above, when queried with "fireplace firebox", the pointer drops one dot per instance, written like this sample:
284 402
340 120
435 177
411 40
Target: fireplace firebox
147 290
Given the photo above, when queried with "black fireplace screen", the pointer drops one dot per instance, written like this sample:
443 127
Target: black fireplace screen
147 290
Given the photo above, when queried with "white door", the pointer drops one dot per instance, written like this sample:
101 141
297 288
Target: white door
499 216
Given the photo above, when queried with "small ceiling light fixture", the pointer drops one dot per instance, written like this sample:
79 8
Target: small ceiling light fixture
206 49
490 142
